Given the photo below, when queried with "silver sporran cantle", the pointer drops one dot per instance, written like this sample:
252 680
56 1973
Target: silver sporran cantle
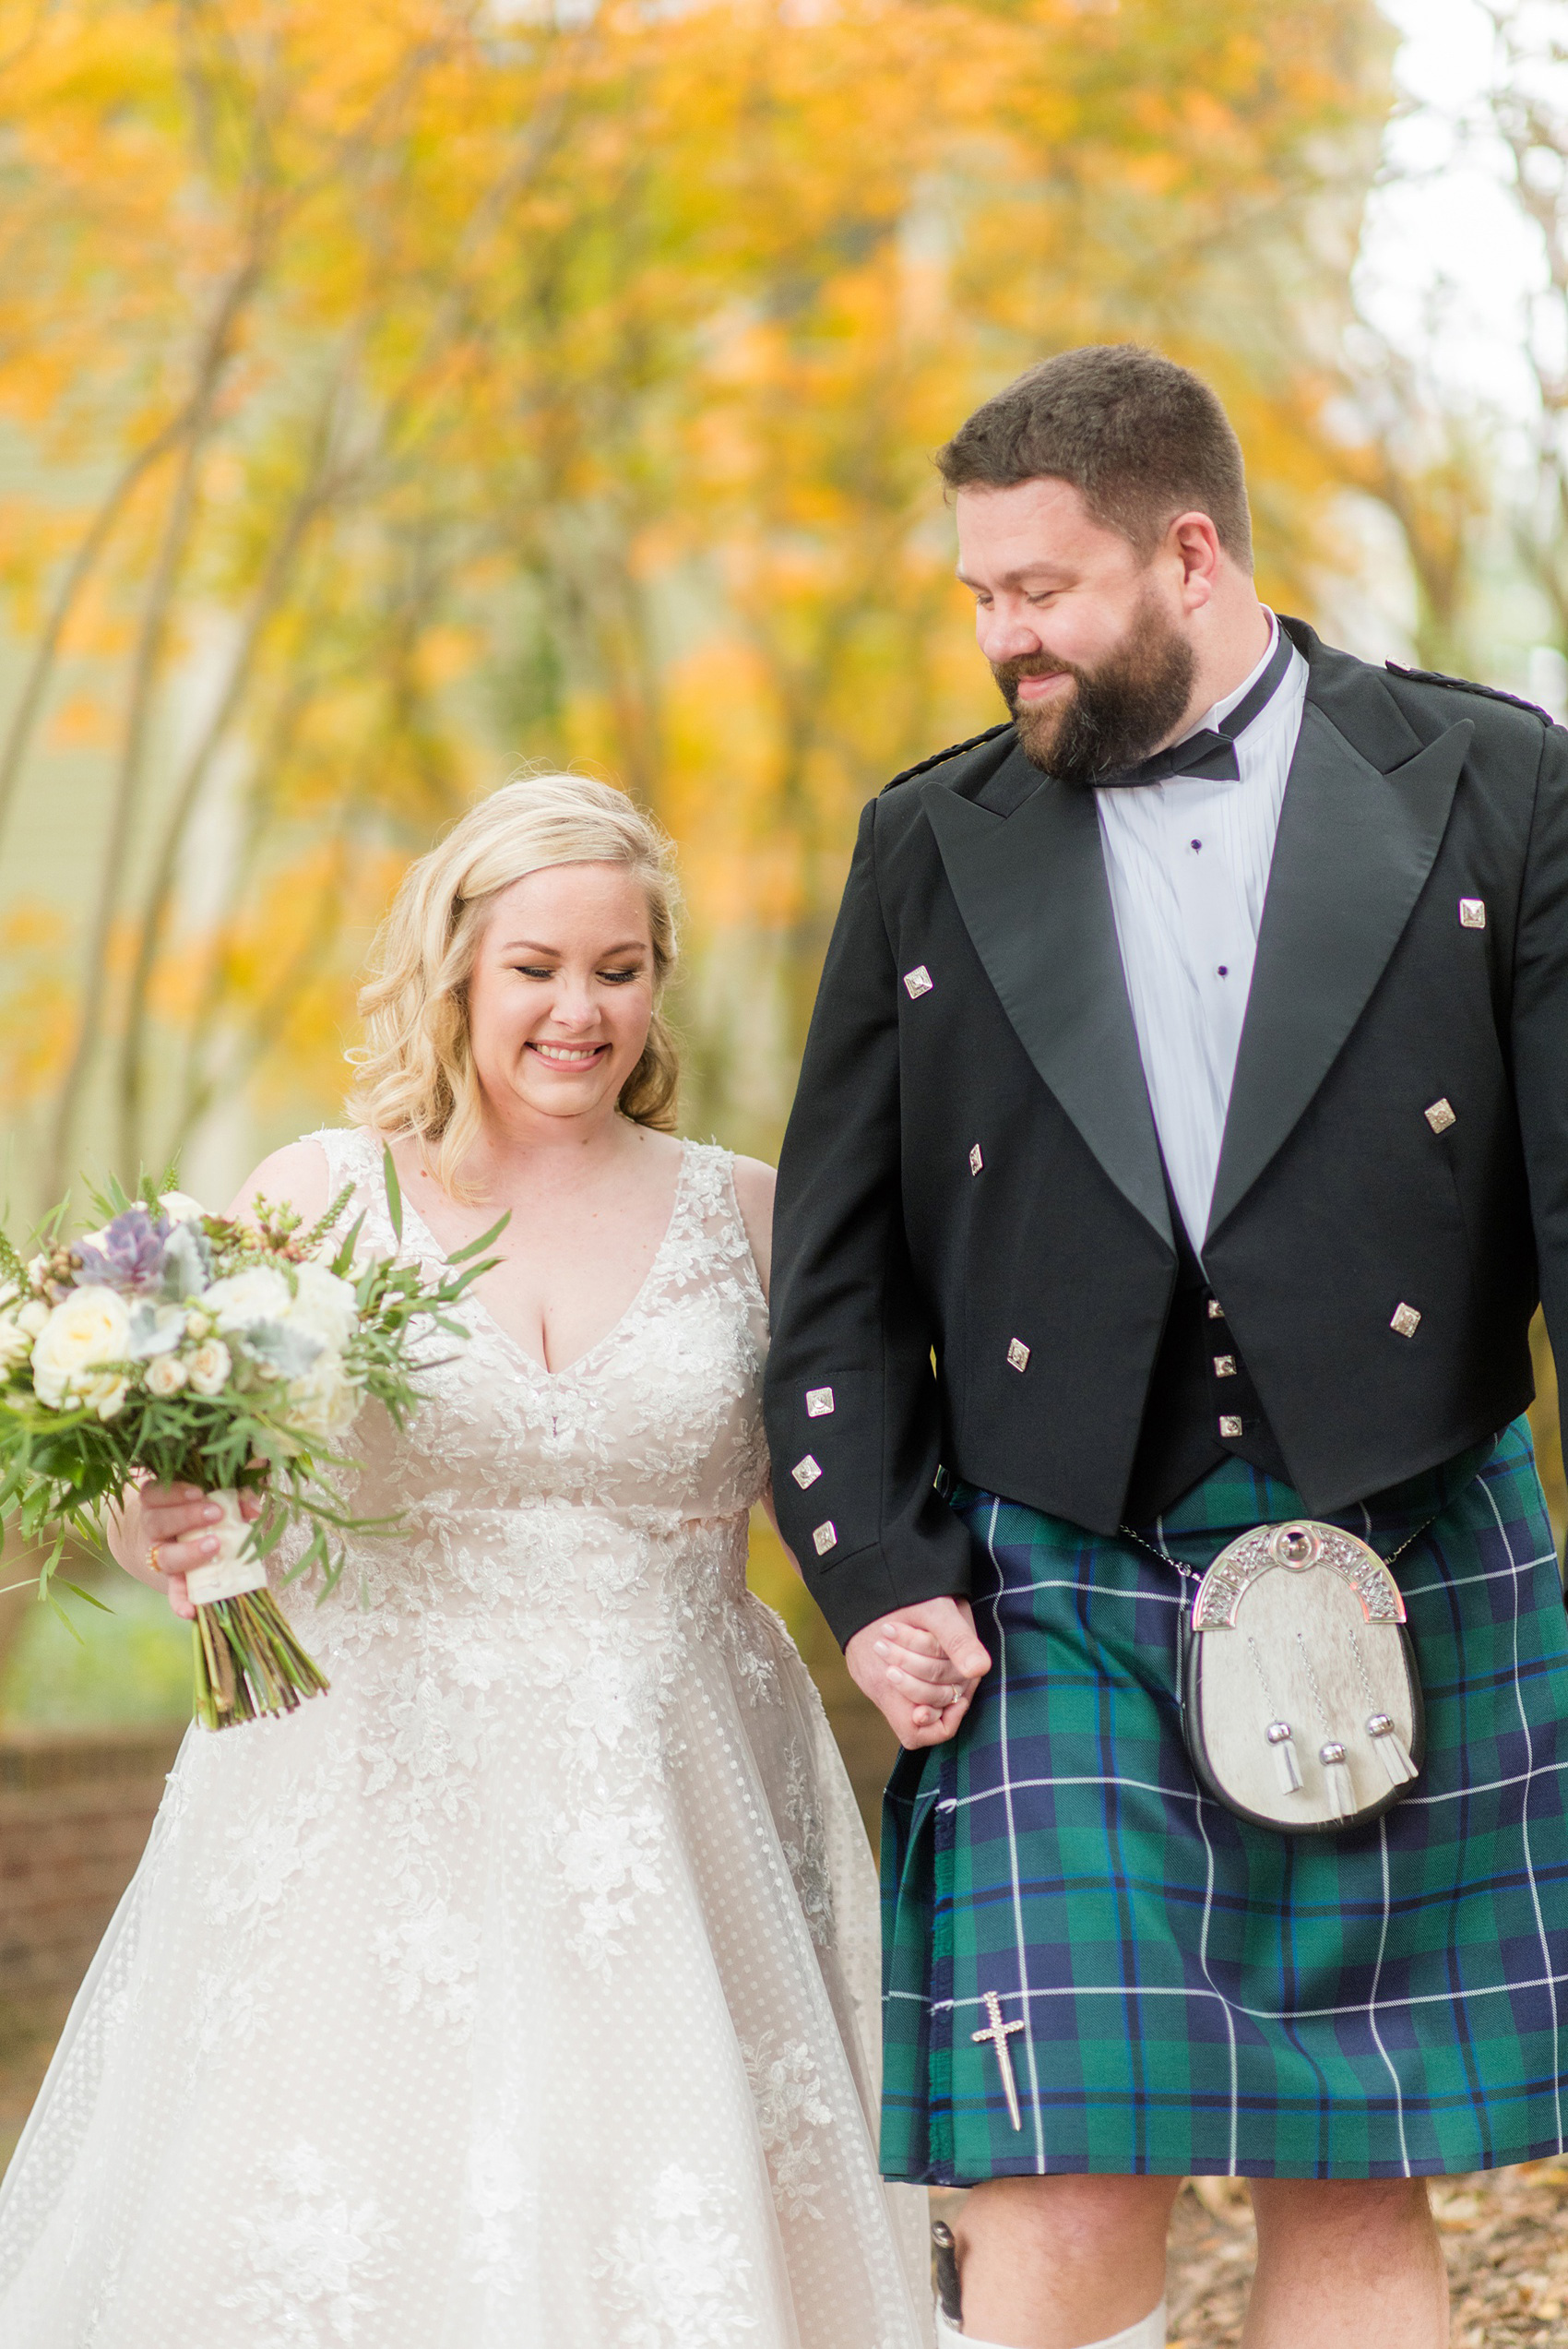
1301 1699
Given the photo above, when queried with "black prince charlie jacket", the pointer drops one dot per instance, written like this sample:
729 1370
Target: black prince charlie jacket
974 1256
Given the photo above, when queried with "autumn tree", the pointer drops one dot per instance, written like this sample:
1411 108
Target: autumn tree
419 386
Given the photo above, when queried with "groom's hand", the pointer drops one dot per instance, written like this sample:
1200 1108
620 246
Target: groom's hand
920 1666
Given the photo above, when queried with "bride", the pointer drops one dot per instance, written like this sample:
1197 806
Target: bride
521 1990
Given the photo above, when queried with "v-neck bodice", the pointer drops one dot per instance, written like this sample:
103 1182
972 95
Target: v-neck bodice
430 1247
515 1483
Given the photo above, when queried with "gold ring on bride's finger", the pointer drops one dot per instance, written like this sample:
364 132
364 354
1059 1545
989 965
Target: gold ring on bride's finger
152 1559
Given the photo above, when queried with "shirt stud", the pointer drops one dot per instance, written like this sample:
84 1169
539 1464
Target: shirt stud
1441 1114
1406 1321
1018 1354
1216 1310
977 1159
1229 1425
918 982
806 1471
1472 913
1225 1366
819 1402
825 1537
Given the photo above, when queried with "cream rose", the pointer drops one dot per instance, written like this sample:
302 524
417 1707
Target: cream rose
32 1317
180 1208
166 1374
103 1392
246 1298
324 1306
90 1328
323 1402
209 1367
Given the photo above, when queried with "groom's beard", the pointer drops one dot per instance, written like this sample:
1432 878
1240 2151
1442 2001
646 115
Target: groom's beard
1116 713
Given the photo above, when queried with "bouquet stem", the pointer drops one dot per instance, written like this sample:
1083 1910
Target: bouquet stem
248 1660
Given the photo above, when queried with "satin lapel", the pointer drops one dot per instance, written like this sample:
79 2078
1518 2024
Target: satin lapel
1033 894
1353 855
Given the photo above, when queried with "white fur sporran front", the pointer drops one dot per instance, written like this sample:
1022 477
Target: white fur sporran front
1302 1699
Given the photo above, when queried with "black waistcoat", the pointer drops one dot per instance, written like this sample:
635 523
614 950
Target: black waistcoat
1202 1407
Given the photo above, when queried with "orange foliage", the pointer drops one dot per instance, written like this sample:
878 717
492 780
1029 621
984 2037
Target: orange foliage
513 386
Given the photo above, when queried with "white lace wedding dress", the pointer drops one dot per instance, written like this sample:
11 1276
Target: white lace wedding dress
520 1991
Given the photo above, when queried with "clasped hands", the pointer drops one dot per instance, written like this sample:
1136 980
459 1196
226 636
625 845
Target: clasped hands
920 1666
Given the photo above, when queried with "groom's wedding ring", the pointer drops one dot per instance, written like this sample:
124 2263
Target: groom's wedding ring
152 1559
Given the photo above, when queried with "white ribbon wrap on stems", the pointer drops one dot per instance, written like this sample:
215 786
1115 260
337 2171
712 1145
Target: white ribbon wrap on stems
230 1576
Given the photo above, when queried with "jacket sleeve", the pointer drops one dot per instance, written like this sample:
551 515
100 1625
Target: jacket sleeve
852 1402
1540 1040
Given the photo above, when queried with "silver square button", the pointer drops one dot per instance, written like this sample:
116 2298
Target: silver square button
1406 1321
977 1159
826 1537
1216 1310
1018 1354
1441 1114
1472 913
819 1402
806 1471
1225 1366
918 982
1229 1425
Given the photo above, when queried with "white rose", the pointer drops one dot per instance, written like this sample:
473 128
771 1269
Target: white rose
246 1298
15 1343
197 1325
325 1401
324 1307
166 1374
180 1208
102 1391
90 1328
32 1317
209 1367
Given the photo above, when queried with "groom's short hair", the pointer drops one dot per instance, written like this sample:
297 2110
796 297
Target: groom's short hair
1140 438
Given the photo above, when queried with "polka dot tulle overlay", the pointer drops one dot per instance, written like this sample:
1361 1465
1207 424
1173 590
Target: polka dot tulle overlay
521 1990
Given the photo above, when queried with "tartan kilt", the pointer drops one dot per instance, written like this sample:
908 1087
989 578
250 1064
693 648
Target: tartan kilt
1201 1996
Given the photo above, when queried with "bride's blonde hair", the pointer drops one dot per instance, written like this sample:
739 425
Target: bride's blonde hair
416 1072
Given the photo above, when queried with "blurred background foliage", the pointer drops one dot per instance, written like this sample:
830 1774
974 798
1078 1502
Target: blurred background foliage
391 394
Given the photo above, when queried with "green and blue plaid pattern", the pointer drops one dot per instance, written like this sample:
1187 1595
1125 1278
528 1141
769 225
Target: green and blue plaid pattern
1201 1996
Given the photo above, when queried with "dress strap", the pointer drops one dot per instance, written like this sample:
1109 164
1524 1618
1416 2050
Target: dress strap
710 1179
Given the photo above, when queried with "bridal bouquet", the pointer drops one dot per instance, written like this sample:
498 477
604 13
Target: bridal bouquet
178 1346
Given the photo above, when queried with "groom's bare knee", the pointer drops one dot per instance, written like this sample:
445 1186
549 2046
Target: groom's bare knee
1087 2253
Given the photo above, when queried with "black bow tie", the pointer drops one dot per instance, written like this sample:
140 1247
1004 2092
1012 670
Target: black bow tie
1210 754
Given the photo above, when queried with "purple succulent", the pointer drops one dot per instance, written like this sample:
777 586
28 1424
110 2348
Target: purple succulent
126 1254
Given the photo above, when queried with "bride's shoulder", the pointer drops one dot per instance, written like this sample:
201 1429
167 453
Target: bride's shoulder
754 1183
305 1175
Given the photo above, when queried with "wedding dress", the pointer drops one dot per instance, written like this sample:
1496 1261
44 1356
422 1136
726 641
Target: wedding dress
519 1993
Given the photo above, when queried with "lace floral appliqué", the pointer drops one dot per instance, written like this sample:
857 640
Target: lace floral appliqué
680 2281
313 2250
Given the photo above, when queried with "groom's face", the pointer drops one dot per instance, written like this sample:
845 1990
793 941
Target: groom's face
1084 634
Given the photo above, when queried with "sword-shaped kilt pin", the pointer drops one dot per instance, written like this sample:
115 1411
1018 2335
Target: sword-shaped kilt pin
998 2033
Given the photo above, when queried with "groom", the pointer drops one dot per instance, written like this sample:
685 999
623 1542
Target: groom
1182 1146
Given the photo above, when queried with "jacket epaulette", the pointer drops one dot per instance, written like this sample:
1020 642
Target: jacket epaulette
940 757
1468 684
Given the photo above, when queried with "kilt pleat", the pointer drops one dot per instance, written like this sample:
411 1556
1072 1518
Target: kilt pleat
1201 1996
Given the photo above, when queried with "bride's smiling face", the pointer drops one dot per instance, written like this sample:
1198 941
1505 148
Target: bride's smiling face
562 991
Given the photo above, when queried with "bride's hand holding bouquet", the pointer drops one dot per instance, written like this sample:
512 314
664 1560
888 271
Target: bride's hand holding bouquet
190 1377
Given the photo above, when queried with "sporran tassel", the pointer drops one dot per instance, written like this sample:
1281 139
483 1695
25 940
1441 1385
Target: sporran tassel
1336 1775
1287 1769
1391 1750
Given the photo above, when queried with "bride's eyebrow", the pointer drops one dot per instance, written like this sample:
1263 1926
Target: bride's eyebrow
553 953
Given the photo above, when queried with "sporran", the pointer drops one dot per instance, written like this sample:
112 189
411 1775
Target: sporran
1300 1694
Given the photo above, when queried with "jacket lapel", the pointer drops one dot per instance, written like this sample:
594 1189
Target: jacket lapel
1030 886
1354 849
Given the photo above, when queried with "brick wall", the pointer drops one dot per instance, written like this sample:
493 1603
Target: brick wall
75 1811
